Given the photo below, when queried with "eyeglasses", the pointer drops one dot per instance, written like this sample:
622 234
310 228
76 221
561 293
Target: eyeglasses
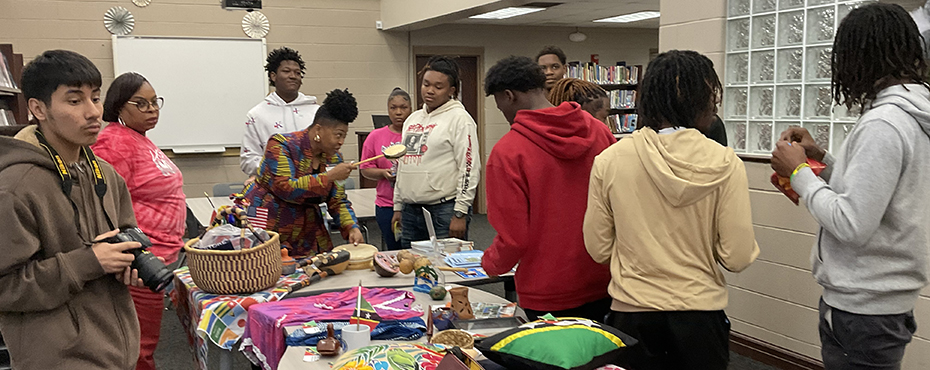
146 106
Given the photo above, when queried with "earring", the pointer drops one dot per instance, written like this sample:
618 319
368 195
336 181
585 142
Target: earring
316 138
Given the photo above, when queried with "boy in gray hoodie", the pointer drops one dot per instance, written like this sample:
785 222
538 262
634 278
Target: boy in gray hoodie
873 249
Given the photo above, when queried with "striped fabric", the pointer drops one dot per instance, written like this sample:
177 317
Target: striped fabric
291 191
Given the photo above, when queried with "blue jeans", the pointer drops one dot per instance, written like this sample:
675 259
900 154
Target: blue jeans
413 224
384 216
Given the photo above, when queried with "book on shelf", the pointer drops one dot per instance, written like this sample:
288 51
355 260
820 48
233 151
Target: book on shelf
7 118
6 75
619 74
622 123
622 99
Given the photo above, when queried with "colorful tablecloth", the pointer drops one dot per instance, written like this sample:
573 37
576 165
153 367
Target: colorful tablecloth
220 318
264 342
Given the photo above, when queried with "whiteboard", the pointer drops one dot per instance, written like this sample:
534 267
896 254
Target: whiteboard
209 84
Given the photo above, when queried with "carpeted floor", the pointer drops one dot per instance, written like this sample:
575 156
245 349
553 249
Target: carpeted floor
174 352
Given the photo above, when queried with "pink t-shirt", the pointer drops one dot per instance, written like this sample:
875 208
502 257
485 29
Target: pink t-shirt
154 182
376 141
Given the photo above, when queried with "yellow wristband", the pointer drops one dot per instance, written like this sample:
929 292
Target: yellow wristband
798 168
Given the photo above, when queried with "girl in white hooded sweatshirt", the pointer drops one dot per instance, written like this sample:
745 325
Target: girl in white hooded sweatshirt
441 170
284 110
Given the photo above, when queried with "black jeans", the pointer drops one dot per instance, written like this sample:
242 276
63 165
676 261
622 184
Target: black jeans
675 340
852 341
592 311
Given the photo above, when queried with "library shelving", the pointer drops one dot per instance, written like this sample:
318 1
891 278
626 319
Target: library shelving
13 108
621 83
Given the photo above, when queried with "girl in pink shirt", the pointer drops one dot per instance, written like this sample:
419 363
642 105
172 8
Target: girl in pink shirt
155 184
383 170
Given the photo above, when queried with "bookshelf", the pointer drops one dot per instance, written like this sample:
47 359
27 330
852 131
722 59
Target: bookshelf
13 110
621 83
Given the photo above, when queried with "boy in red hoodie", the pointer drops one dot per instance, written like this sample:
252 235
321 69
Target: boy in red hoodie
537 196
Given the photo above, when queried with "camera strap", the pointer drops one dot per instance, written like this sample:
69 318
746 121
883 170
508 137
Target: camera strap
67 181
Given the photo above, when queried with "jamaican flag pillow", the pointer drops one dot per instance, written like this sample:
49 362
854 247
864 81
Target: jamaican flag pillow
563 343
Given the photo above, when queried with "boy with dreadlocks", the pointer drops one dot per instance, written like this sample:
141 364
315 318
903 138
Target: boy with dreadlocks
284 110
873 247
592 98
667 208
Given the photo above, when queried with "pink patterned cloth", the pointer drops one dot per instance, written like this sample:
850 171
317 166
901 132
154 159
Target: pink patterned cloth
264 340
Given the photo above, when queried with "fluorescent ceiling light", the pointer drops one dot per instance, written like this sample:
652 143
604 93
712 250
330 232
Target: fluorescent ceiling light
627 18
507 13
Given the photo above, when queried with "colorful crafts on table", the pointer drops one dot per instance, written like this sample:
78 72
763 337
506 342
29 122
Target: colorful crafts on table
219 318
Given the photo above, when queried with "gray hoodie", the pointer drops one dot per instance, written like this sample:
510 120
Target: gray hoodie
873 249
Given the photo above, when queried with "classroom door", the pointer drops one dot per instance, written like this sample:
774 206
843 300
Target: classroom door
469 97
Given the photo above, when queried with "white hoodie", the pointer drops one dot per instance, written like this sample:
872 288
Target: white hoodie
272 116
442 161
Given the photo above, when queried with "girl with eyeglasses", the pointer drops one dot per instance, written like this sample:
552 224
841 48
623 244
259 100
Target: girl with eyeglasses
132 108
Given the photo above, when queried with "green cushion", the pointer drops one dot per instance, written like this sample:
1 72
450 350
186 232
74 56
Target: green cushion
565 343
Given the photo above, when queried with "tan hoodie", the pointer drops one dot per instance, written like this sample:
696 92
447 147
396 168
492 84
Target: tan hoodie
664 211
58 309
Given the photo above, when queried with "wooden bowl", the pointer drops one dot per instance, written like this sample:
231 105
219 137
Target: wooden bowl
385 265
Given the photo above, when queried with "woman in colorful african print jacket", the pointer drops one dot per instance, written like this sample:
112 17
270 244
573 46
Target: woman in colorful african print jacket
301 170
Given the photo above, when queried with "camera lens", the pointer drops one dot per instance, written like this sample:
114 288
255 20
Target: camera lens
152 271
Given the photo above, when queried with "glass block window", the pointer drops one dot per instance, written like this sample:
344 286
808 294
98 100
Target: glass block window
777 72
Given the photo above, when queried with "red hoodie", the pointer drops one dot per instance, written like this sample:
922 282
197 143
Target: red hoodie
537 189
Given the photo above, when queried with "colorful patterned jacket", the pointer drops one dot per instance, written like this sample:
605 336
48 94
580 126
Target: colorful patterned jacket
290 191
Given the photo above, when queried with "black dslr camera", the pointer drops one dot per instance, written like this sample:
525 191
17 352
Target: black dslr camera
152 271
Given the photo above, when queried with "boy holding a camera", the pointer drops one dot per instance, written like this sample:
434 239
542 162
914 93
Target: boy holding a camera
63 297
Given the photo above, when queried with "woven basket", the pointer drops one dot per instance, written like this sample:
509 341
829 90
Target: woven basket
235 272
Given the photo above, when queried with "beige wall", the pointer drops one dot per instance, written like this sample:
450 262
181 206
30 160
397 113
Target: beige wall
337 39
775 299
630 45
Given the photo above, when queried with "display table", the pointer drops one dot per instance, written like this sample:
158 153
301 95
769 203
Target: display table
218 319
293 356
363 203
221 319
351 278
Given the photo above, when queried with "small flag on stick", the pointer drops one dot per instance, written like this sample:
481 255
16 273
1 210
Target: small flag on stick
364 314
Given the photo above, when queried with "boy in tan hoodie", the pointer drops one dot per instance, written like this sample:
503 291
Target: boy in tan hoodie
665 208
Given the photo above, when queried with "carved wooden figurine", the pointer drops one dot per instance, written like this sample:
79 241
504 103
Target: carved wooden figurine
460 303
329 346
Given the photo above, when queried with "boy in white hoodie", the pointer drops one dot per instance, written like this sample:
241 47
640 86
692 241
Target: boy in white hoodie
284 110
872 255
